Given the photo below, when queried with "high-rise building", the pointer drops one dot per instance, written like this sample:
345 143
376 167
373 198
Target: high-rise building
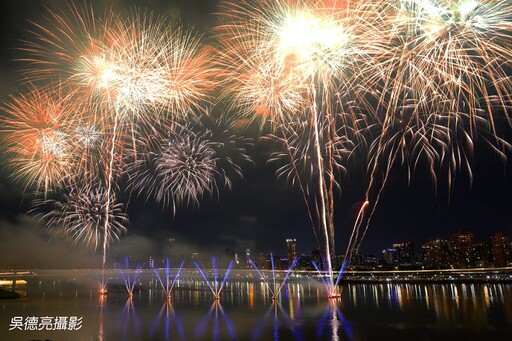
248 258
355 257
389 256
317 255
172 252
462 245
404 253
483 255
371 261
500 249
436 254
291 249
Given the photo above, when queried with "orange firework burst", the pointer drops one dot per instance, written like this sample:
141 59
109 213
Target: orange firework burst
37 135
148 67
62 40
133 66
273 51
125 75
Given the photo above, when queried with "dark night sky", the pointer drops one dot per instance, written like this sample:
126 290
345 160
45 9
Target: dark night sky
260 212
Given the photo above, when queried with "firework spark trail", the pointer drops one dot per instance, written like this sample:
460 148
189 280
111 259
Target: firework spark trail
284 61
446 78
110 179
321 185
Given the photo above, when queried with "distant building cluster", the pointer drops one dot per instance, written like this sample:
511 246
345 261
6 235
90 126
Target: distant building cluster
462 251
459 251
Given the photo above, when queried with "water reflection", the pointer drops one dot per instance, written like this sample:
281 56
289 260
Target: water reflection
448 304
247 312
128 320
216 317
168 322
466 303
276 318
332 320
101 307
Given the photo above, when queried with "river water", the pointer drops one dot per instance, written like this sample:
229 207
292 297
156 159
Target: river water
65 305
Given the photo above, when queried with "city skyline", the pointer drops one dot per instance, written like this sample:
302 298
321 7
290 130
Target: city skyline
434 253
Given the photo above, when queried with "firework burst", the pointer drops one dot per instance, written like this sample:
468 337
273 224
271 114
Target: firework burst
125 75
150 67
444 80
276 54
182 167
37 135
447 58
133 67
181 170
81 216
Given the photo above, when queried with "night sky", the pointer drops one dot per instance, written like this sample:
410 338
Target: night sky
260 212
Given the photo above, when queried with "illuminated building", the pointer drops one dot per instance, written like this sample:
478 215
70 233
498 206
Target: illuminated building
483 255
389 256
462 250
291 249
404 253
500 247
436 254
